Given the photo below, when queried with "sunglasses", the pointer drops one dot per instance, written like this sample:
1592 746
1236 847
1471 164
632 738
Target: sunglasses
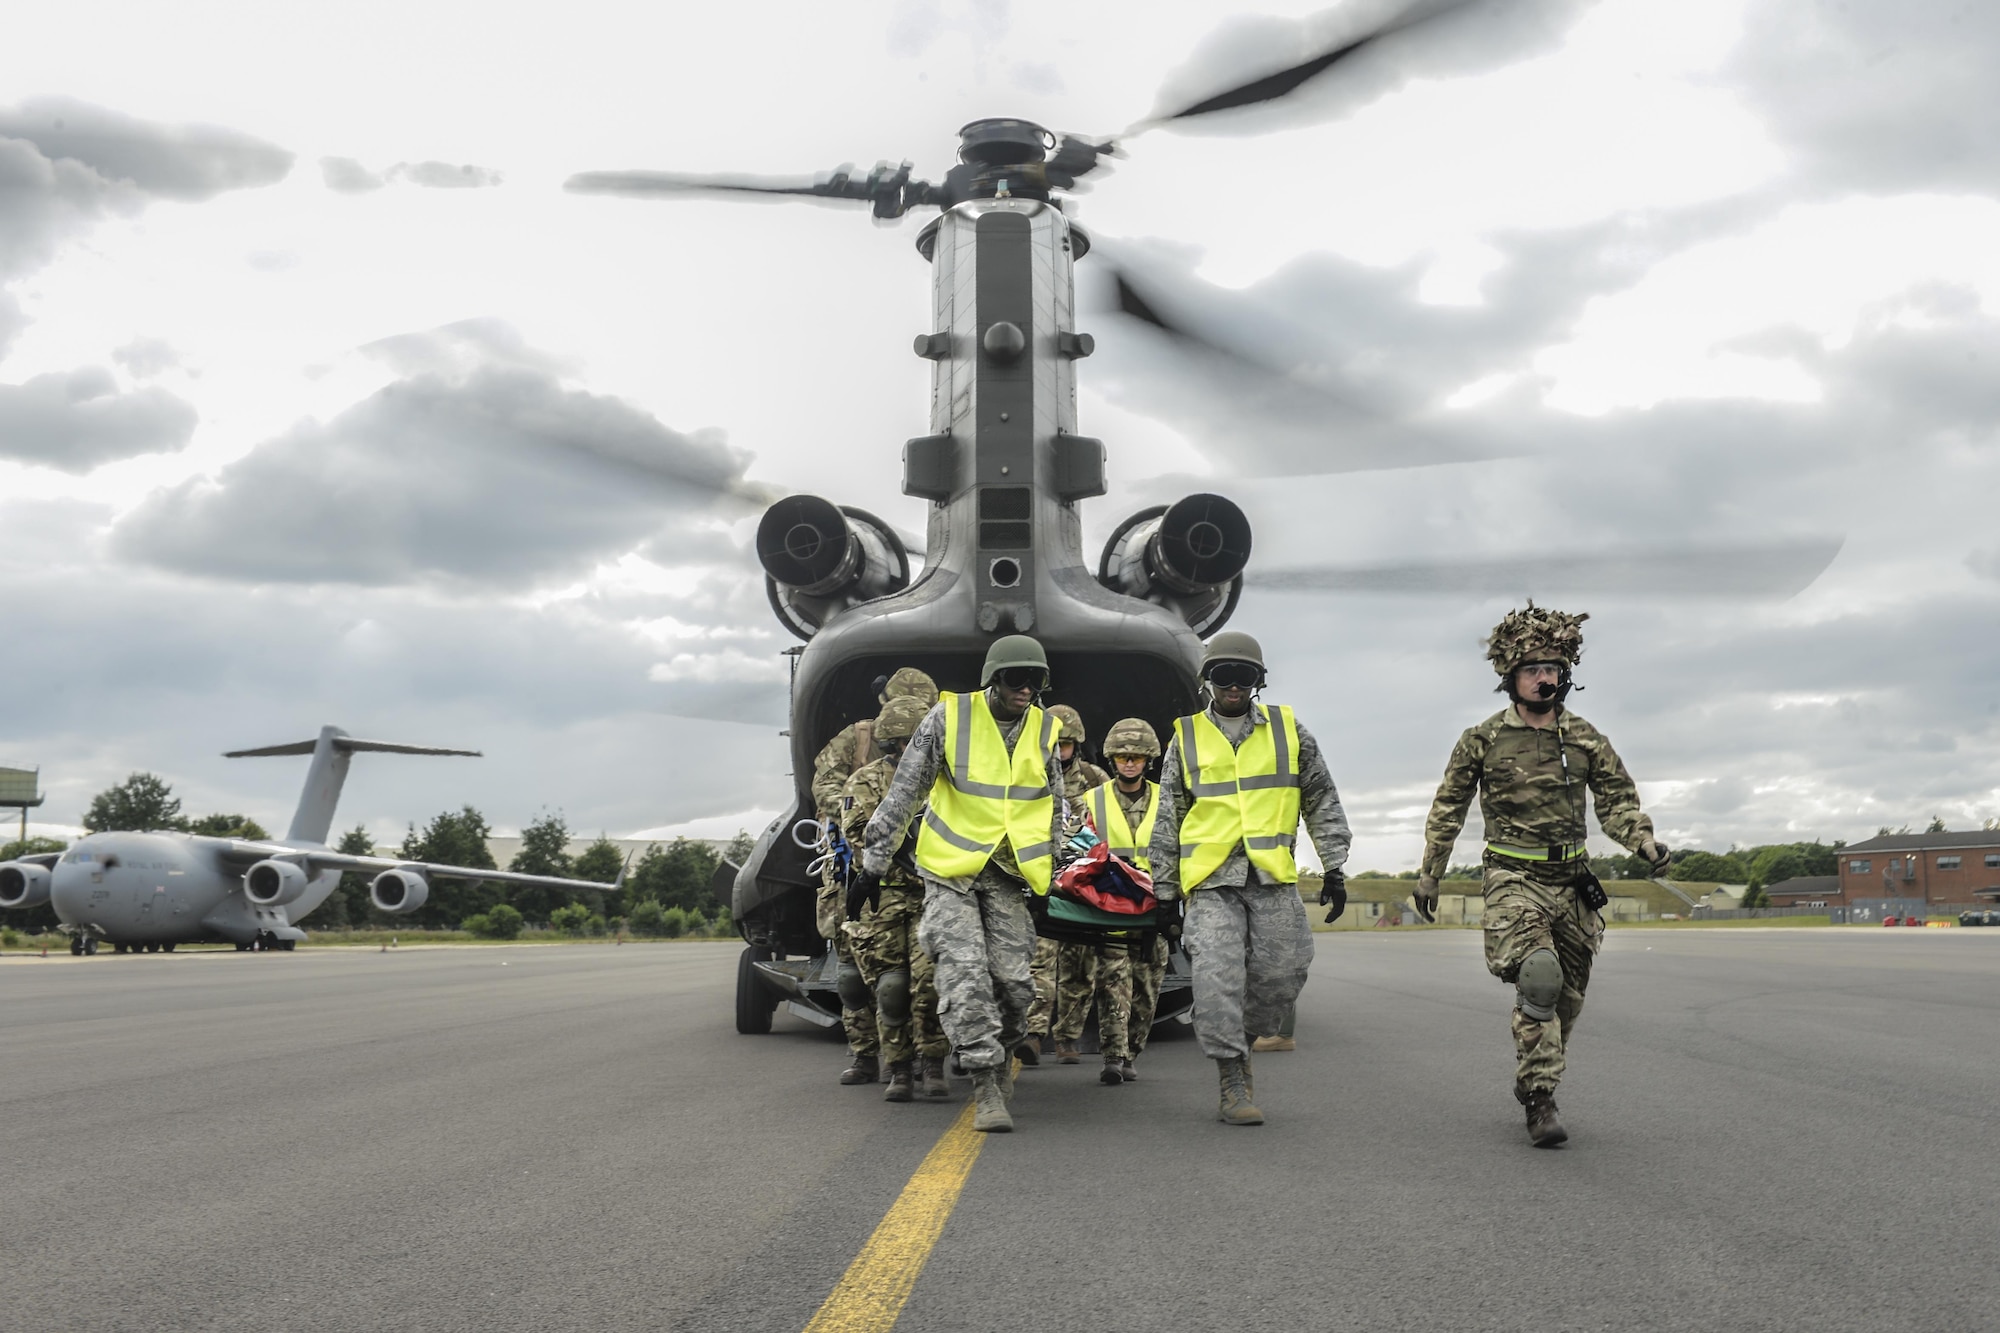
1022 678
1233 675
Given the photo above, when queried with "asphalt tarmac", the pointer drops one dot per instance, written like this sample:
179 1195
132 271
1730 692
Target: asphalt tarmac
1782 1129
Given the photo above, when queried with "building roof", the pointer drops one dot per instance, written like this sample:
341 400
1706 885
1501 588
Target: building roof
1819 886
1924 842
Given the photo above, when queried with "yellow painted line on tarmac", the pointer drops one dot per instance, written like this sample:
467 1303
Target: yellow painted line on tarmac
870 1296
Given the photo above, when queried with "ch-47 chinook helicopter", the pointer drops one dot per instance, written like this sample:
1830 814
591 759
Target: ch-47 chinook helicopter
149 891
1003 470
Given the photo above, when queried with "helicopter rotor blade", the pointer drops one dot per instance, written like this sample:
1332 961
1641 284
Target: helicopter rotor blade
1279 83
1770 571
656 184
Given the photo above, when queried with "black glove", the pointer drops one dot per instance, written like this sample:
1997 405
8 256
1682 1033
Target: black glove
1167 920
863 888
1333 893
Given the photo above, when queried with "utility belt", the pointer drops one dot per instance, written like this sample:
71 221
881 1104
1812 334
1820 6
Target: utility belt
1555 851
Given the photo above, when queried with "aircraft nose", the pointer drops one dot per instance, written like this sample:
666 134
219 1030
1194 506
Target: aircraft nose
69 892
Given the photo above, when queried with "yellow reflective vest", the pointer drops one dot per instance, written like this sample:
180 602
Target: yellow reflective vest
1124 841
984 795
1248 796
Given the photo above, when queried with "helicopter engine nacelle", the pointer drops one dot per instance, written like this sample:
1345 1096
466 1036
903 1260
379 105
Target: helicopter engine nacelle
275 883
820 558
24 884
1187 557
398 892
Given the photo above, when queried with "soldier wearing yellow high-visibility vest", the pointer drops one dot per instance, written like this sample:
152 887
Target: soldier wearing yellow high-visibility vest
987 765
1236 780
1125 981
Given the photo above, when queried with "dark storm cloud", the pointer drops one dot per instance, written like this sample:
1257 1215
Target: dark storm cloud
1878 97
499 477
75 420
187 162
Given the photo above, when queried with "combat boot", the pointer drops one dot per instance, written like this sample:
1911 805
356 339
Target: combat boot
1274 1044
1544 1130
1236 1108
863 1069
1125 1071
1067 1053
1006 1073
989 1103
930 1079
1030 1049
1113 1072
899 1089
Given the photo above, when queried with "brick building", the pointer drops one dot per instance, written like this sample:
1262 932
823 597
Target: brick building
1926 867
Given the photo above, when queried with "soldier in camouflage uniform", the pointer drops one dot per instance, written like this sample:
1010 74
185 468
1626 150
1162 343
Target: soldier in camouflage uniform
976 924
1234 777
853 747
881 936
1109 974
1530 764
1052 959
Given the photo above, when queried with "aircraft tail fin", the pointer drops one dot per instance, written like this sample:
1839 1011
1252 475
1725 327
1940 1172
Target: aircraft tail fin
330 752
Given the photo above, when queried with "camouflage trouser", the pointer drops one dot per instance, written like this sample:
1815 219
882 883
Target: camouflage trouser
884 939
981 940
1101 972
1250 948
1041 1014
1531 906
1149 970
859 1024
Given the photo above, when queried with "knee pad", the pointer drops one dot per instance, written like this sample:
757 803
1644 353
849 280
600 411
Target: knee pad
1540 984
892 995
854 992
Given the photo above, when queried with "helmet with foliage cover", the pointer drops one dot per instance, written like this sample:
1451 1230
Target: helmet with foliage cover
910 683
1131 735
899 718
1072 724
1535 634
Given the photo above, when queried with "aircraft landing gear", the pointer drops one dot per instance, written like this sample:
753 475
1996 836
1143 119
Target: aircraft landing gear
121 948
755 1001
152 948
76 945
167 947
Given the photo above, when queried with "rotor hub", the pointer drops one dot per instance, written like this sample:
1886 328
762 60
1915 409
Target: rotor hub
1003 142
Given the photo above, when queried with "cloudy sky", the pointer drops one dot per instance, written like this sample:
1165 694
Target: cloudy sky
320 400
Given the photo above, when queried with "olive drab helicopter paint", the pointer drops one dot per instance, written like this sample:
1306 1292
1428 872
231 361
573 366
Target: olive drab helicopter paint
1003 469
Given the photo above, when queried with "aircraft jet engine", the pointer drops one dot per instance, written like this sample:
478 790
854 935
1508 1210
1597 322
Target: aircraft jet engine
1188 557
820 558
275 883
398 892
24 884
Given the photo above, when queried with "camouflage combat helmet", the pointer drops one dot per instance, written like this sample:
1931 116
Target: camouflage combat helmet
1072 724
1535 634
1132 735
1232 646
899 717
910 683
1012 650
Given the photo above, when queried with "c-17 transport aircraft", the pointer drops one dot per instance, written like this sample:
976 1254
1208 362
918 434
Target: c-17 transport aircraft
155 890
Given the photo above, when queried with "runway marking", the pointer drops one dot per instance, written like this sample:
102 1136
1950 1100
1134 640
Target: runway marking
870 1296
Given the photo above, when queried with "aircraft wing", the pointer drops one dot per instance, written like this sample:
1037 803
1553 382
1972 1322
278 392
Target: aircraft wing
314 860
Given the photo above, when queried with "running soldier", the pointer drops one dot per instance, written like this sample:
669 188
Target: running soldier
1530 764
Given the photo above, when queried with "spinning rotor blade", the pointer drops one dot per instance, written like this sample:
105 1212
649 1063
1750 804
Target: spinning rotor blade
1766 571
657 183
1277 84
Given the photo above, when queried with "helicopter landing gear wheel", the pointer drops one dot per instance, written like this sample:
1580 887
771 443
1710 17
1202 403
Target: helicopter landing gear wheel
755 1001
